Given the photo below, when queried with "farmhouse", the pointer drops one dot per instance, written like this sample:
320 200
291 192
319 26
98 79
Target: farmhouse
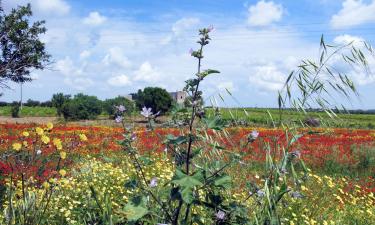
178 96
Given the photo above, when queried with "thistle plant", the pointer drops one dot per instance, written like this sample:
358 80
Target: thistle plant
199 191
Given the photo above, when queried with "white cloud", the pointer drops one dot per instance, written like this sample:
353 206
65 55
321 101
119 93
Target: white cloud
353 13
226 85
94 19
264 13
65 66
147 73
84 54
119 81
346 39
80 83
180 26
46 7
116 56
268 77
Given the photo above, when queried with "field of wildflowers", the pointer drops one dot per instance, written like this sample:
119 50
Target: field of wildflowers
75 167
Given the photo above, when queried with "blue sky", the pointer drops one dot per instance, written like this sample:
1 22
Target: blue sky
109 48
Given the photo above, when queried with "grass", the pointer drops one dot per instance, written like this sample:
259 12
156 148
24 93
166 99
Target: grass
36 111
260 117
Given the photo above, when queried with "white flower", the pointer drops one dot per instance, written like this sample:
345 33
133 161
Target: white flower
38 152
121 108
220 215
146 112
154 182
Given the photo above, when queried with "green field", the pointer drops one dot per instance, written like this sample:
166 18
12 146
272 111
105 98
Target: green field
30 111
238 116
257 117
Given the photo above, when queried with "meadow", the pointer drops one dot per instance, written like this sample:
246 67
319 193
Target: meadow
70 162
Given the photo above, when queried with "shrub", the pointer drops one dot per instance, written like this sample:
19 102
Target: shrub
32 103
58 101
109 105
46 104
15 110
154 97
82 107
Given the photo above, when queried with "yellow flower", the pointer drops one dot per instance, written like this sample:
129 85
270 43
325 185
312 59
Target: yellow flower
25 133
62 155
83 137
39 131
45 184
45 139
49 126
25 143
17 146
62 172
57 143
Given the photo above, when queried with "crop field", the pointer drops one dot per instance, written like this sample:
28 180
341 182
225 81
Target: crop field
68 162
28 111
261 117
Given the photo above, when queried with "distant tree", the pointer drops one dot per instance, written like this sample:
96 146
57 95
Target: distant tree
46 104
21 48
82 107
32 103
58 101
109 105
154 97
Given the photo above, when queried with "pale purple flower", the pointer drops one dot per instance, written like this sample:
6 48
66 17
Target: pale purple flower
121 108
191 51
133 137
220 215
296 154
210 28
261 193
146 112
154 182
253 136
118 119
296 194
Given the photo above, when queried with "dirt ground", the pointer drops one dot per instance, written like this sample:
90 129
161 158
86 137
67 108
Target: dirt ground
137 121
6 119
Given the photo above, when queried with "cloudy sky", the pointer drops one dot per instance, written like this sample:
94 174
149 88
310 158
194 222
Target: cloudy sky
115 47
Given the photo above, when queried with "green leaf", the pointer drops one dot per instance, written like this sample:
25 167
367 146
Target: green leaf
223 181
215 123
135 209
187 184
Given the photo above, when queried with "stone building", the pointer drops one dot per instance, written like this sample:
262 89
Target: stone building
179 96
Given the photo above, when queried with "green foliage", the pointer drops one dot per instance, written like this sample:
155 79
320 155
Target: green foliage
110 104
158 99
21 47
15 110
319 82
82 107
58 101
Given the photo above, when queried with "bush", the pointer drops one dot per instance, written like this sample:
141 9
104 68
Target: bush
15 110
82 107
32 103
109 105
158 99
58 101
46 104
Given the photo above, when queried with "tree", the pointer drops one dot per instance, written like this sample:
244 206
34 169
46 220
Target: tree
58 101
109 105
158 99
82 107
21 49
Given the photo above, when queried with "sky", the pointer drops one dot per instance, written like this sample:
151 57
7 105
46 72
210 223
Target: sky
115 47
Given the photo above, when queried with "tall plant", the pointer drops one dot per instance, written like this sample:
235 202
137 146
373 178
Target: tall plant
198 191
